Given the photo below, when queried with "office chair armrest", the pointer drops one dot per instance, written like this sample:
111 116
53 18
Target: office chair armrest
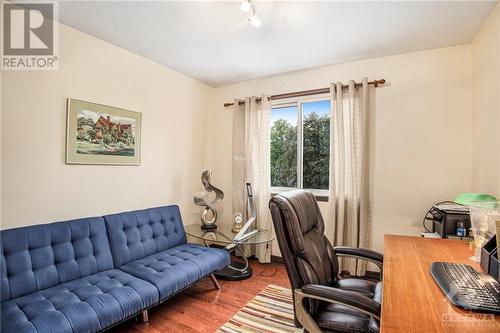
347 298
359 253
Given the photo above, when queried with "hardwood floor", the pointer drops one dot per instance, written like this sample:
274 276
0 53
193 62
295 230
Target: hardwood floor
202 308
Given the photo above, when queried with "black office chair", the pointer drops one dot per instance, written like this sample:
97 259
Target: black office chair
322 301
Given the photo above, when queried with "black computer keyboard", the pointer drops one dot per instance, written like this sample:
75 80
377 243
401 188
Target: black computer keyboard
467 288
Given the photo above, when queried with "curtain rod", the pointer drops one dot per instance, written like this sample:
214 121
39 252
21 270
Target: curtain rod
375 83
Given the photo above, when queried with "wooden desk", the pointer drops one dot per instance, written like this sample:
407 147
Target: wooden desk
412 301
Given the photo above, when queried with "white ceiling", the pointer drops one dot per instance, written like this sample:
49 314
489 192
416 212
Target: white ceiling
212 41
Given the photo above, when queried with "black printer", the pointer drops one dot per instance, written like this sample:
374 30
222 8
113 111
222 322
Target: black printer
446 217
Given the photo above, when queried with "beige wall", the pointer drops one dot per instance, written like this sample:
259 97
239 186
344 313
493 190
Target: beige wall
420 135
420 131
37 185
486 107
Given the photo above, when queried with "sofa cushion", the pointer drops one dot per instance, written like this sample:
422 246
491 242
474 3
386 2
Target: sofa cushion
174 269
137 234
41 256
87 304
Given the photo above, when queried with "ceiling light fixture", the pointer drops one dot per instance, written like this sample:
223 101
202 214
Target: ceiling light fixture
247 7
254 20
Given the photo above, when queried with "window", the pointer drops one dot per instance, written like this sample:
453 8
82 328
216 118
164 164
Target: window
300 144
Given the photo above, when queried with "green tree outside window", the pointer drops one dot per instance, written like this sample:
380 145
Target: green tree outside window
315 149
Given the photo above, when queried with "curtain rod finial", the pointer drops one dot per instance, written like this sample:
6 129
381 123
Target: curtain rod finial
377 82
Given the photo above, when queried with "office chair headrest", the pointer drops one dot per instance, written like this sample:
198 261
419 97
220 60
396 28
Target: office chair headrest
303 212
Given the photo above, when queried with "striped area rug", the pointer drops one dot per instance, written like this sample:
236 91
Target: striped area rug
270 311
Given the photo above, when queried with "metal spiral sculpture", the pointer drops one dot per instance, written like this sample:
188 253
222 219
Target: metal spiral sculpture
208 223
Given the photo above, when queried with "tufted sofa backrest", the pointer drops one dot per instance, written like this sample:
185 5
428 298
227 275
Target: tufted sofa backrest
137 234
41 256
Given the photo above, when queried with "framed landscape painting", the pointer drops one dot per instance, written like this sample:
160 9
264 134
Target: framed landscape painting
101 134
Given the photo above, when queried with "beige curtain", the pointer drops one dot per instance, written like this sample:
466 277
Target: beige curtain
348 210
238 175
251 163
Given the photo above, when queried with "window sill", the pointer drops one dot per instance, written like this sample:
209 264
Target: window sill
320 197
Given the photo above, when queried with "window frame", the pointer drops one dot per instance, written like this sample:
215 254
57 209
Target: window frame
298 103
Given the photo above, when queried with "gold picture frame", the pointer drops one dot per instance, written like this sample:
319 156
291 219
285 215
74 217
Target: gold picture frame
101 134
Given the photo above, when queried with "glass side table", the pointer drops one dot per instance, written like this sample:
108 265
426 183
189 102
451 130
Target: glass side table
223 236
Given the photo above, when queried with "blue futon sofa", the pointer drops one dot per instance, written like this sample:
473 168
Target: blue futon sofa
88 274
